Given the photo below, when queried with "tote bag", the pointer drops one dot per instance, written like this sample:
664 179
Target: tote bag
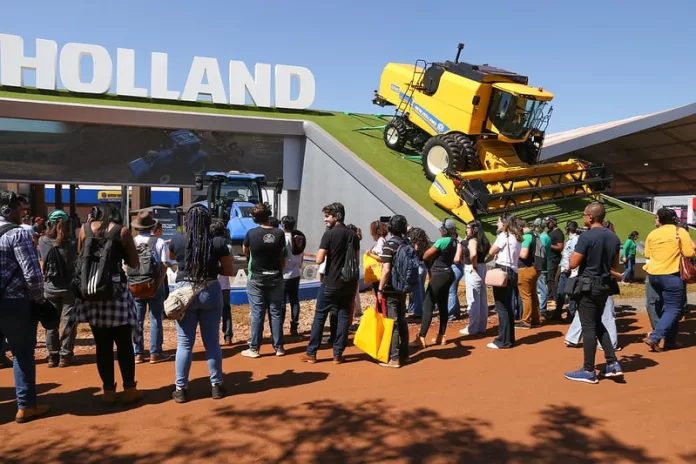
373 269
499 277
374 334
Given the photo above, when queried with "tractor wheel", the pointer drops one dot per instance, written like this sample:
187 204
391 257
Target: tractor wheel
471 160
396 134
443 153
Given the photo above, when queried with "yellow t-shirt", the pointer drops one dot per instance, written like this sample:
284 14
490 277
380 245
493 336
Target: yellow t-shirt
661 248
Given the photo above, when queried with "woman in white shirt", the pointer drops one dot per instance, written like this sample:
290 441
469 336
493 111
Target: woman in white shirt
506 251
378 230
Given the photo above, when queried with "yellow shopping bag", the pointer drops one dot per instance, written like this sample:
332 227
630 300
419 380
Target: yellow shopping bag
374 334
372 268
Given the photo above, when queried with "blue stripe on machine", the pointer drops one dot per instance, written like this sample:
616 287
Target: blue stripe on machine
439 187
437 125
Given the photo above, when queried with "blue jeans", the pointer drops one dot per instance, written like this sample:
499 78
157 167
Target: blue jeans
415 300
266 296
652 302
561 297
608 320
18 325
454 309
332 299
670 305
543 293
476 297
630 268
156 305
205 310
517 305
226 315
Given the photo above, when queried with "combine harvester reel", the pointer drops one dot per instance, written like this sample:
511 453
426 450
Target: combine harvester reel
480 193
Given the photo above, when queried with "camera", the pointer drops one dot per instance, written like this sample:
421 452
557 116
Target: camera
384 219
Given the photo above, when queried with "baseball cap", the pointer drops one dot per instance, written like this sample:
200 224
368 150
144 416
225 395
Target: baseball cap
448 224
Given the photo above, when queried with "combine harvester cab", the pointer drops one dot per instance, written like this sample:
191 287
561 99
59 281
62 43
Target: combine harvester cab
480 131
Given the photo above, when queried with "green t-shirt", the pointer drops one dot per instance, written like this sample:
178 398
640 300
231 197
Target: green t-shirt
629 249
527 243
447 248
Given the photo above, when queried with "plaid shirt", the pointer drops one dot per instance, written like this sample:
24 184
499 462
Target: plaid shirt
20 272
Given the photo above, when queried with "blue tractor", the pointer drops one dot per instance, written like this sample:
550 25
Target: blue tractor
231 197
184 154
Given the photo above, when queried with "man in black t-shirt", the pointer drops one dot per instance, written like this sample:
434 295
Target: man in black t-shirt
595 255
266 249
336 294
554 260
387 294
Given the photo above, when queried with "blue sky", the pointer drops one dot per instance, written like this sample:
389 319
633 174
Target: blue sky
604 60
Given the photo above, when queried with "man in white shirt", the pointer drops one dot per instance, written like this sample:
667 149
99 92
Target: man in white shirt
144 224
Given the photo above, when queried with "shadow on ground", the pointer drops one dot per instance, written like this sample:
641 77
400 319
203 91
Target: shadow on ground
87 401
332 432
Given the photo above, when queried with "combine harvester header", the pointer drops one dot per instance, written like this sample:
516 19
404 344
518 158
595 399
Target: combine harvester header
480 131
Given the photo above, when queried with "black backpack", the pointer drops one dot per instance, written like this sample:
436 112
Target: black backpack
298 241
351 268
98 273
56 269
540 258
143 280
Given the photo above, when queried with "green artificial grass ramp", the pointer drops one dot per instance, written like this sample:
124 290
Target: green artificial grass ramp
368 145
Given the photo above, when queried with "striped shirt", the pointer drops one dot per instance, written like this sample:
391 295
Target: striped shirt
20 272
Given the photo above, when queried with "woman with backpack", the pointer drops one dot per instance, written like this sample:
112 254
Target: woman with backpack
475 249
198 257
441 277
103 299
57 253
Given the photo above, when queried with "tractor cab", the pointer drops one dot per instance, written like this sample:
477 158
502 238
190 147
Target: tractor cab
231 196
226 189
517 111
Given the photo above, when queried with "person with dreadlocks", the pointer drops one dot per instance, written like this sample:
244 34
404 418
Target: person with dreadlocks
198 257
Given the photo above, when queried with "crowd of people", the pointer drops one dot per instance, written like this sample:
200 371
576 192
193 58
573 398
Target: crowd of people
104 275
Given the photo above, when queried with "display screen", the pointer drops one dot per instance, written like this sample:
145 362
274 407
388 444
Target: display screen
46 151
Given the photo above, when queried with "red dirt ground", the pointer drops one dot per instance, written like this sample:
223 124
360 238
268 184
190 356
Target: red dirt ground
456 403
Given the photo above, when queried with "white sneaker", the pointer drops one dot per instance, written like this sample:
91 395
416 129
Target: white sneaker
280 352
250 353
465 331
493 346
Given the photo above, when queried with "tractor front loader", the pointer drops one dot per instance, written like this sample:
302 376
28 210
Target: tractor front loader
480 131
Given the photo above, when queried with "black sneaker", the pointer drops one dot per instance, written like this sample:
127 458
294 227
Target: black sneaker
219 391
53 361
179 396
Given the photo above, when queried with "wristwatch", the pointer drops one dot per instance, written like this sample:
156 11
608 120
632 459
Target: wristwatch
379 290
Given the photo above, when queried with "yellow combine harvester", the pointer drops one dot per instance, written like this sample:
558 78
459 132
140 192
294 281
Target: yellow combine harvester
480 130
